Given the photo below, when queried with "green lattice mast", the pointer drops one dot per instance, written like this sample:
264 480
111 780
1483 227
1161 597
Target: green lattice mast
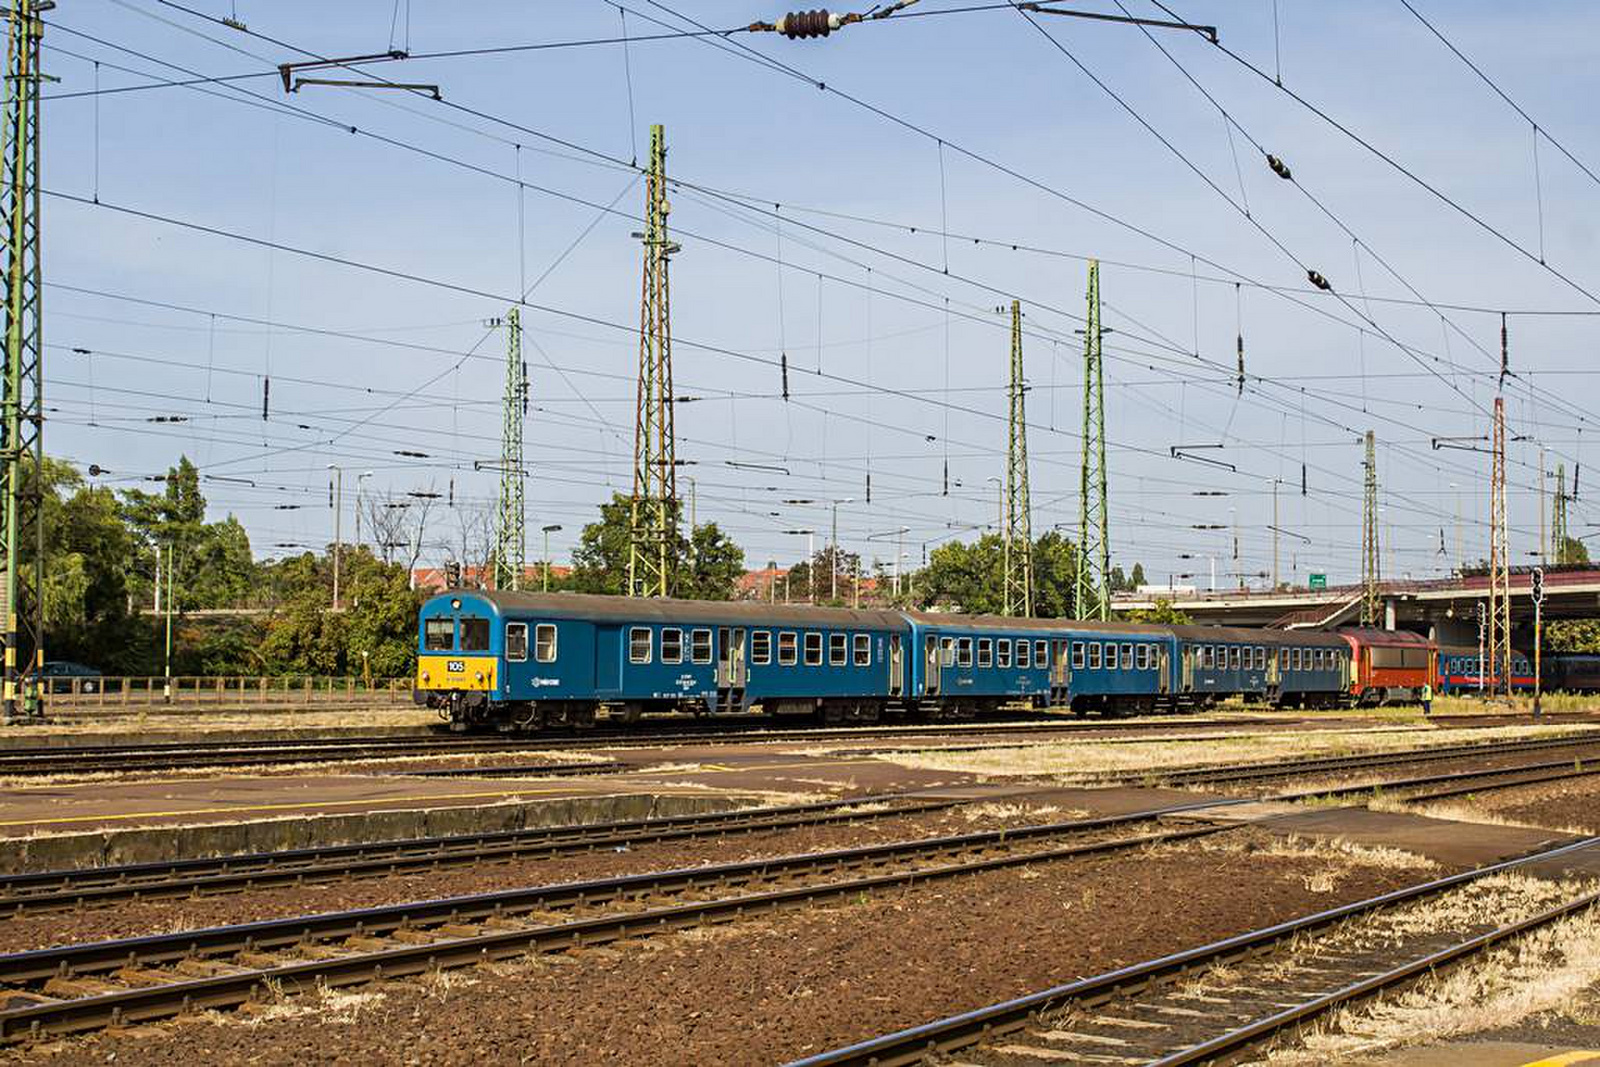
1093 579
1019 529
1558 517
22 399
653 521
510 528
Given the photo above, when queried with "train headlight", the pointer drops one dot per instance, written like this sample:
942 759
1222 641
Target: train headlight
424 676
479 676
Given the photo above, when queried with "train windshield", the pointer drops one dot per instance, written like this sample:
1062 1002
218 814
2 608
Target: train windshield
438 635
474 634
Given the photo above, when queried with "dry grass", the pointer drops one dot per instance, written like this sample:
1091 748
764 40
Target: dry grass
1335 849
993 810
1075 762
1545 971
202 720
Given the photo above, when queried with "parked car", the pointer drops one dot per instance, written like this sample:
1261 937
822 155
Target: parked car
60 676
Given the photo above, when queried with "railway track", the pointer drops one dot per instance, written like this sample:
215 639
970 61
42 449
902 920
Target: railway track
40 891
24 762
1240 775
1204 1004
87 986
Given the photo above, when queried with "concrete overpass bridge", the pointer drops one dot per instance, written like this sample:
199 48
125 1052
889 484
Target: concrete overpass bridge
1445 609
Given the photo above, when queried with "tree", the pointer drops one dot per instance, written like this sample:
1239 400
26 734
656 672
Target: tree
970 576
1137 578
1163 612
212 565
705 566
822 567
1572 550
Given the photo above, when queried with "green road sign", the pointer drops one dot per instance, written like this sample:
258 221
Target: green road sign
1318 581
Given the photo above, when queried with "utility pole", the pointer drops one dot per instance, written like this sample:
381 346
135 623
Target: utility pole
1370 567
653 522
166 686
1019 529
1538 639
1093 578
336 498
22 391
1499 558
510 526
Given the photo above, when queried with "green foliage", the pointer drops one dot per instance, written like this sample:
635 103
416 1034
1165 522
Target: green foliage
970 576
1572 550
1163 612
1572 635
212 563
708 568
822 567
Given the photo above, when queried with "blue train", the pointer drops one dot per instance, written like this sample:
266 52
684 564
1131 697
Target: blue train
522 661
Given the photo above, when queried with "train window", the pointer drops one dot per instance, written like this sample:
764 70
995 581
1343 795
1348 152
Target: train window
786 649
964 652
544 642
671 645
517 642
1141 658
474 634
947 652
639 644
1077 655
1299 659
1094 655
1127 657
1322 659
813 650
700 645
1041 654
863 650
1235 657
985 652
838 649
439 635
1002 652
1283 659
1261 658
1208 656
760 647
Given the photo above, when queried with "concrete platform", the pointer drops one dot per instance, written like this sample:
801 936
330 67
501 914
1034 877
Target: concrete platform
1487 1054
89 824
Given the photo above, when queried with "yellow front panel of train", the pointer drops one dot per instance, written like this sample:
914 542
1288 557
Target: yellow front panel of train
456 672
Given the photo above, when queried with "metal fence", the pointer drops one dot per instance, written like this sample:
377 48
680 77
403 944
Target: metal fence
232 690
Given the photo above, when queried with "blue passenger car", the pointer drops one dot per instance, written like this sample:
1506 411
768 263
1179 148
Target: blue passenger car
968 664
522 660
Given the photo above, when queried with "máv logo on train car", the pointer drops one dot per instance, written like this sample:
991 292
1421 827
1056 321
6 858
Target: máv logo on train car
546 681
456 666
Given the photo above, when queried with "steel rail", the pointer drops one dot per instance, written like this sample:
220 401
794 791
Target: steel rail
420 956
1261 1029
1290 768
918 1043
257 752
1488 787
36 891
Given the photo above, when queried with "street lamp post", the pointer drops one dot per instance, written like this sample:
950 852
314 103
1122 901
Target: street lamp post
811 566
833 554
547 531
899 535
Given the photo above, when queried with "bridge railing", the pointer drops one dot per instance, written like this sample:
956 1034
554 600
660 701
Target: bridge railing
111 691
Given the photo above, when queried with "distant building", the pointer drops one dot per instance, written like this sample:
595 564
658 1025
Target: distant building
434 579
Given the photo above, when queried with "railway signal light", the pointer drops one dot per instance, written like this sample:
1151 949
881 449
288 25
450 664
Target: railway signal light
1538 585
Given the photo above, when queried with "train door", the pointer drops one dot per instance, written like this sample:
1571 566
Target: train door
930 664
897 666
730 658
1163 669
1188 668
1060 692
1273 674
607 661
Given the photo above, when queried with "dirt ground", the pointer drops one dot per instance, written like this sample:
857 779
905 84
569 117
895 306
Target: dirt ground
769 990
1573 804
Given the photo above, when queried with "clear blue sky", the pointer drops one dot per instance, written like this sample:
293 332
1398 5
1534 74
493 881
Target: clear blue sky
431 190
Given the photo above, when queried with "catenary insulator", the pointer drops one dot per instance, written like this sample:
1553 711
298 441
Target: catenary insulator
799 24
1318 280
1280 168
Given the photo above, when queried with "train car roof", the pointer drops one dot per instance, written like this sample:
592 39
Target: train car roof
1007 622
1247 635
1390 638
670 610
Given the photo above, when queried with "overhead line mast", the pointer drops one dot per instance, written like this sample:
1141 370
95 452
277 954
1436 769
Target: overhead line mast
510 532
1499 558
22 391
1558 518
1093 578
653 518
1019 526
1371 560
